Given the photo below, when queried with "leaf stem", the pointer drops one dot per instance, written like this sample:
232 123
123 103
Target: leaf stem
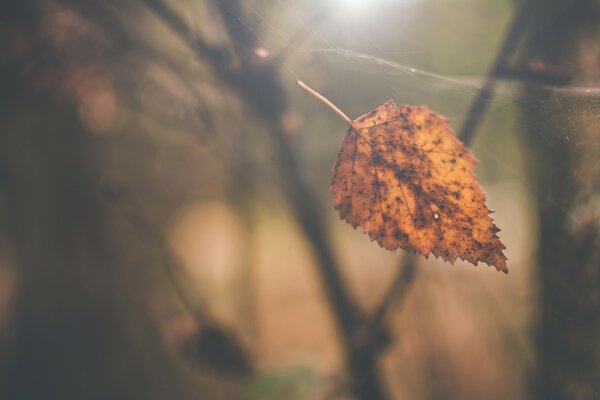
325 101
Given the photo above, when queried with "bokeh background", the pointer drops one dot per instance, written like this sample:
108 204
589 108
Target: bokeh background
167 226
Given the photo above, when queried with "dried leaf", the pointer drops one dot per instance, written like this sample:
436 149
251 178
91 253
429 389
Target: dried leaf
408 182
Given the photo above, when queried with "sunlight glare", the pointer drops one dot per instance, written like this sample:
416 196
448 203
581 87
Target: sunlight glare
354 4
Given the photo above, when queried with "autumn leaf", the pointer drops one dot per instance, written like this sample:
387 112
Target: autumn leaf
408 182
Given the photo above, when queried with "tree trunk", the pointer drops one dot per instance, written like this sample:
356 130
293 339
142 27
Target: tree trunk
567 335
73 323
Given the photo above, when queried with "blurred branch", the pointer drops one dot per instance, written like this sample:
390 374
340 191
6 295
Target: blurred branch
259 85
486 93
395 294
219 57
271 104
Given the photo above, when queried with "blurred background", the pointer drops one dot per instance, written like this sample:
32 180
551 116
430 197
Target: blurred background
167 230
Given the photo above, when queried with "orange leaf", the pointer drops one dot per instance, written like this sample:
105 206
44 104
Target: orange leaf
407 181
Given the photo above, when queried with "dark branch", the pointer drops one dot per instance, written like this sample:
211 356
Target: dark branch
257 83
219 57
486 93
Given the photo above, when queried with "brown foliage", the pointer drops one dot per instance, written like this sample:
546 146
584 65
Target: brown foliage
408 182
